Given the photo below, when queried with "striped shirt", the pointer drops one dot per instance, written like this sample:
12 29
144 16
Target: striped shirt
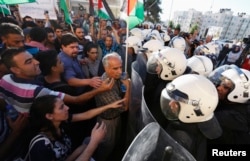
108 97
20 93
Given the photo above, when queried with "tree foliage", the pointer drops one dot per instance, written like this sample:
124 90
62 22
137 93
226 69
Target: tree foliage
153 10
178 26
193 28
171 24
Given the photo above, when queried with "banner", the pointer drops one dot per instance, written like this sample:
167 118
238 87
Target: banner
36 10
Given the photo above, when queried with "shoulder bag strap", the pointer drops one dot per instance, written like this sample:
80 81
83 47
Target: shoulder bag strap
35 140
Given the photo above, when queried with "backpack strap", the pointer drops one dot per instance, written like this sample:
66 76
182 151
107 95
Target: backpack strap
37 138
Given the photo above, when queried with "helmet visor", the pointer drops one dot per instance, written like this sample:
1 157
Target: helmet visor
170 108
153 65
171 100
216 75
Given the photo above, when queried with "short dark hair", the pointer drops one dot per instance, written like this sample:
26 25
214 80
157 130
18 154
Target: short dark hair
28 24
10 28
58 27
8 54
24 18
76 27
48 30
8 20
38 34
47 60
88 47
68 39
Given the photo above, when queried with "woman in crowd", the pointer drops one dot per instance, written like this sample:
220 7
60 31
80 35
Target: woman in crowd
92 64
49 119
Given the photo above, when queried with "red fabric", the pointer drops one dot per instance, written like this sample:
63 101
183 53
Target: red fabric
246 64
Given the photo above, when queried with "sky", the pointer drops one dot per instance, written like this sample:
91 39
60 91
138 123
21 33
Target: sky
203 5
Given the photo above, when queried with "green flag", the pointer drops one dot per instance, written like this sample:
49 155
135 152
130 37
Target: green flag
5 10
64 7
16 1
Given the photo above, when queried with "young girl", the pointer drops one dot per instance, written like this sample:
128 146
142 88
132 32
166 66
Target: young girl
92 65
49 119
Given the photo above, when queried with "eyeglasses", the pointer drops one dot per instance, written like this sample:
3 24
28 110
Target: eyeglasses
39 21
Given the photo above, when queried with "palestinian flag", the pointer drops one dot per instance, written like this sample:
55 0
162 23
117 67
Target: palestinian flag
5 10
134 12
104 12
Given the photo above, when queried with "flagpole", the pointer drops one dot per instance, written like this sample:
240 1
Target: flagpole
127 31
72 30
126 52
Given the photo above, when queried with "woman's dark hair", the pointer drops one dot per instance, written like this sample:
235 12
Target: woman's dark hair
47 60
110 36
38 110
88 47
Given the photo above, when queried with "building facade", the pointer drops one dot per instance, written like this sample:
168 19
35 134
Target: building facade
222 25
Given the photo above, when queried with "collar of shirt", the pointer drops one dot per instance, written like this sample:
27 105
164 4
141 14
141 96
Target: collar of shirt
35 81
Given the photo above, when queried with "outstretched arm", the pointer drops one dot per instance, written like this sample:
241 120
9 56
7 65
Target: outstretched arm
96 111
97 135
106 85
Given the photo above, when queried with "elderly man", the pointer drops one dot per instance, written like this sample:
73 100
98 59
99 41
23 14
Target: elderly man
113 70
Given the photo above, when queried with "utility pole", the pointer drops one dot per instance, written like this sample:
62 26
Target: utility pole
171 10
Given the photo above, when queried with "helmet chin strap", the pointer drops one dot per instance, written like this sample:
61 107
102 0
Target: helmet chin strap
208 117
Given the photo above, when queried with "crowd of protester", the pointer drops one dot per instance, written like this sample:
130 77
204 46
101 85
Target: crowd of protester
69 87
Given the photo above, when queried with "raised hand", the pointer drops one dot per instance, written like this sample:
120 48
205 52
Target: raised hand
19 124
98 132
107 84
95 82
